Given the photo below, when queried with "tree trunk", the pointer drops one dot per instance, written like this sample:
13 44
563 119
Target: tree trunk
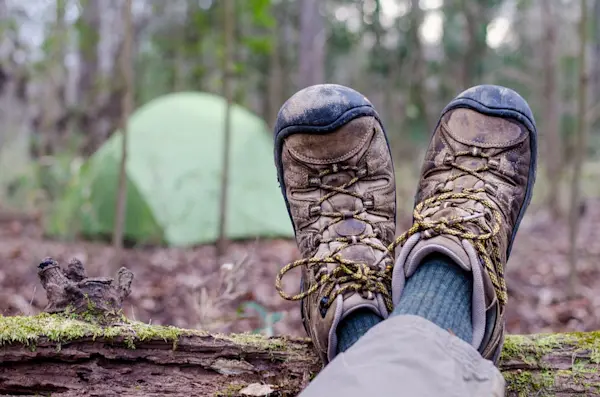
275 94
52 98
88 85
476 23
418 89
312 44
127 103
595 118
580 150
15 135
135 359
551 108
229 9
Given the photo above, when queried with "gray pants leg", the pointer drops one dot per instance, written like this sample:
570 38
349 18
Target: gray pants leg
408 356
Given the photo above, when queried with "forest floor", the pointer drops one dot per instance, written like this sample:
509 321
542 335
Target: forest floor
188 288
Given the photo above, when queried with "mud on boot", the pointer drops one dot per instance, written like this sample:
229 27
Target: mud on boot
475 185
337 178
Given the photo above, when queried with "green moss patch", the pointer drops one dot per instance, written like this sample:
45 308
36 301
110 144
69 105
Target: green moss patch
532 349
541 381
62 328
27 330
256 341
525 383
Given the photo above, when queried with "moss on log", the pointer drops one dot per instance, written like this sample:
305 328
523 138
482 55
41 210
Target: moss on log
60 355
552 364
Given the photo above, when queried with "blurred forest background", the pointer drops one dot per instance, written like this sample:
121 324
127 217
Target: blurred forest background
64 93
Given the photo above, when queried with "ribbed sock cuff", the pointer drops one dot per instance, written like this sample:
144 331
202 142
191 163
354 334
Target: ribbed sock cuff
441 292
355 325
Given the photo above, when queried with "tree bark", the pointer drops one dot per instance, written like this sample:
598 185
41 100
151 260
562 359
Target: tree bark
417 88
552 108
580 150
594 119
88 87
312 44
275 93
127 104
229 21
476 18
142 360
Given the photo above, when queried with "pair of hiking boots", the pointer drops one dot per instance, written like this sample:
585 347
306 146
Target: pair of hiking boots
337 177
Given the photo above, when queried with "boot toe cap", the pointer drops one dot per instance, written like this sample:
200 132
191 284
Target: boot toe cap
322 108
494 100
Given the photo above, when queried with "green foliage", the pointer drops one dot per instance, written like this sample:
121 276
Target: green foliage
261 13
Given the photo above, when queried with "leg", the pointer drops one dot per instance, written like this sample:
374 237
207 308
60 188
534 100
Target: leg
337 179
475 186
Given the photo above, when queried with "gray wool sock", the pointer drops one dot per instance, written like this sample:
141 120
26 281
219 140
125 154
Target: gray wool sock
355 325
441 292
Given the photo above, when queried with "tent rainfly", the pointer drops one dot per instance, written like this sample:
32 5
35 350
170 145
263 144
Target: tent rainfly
174 173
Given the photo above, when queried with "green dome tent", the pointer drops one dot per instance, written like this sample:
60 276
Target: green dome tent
174 173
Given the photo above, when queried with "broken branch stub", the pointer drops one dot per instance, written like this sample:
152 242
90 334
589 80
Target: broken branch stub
70 290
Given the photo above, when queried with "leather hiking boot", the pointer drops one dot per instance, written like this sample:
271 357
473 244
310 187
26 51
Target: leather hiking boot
476 183
336 175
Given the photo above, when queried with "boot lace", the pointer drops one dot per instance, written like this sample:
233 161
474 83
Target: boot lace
485 242
347 275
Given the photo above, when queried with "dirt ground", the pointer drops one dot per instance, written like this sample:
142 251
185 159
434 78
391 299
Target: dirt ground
188 288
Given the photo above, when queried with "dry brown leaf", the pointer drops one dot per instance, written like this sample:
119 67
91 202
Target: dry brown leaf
257 389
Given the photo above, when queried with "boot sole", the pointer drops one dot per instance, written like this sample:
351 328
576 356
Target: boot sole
503 102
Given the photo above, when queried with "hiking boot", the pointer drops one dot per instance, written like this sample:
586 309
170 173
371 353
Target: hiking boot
335 171
476 183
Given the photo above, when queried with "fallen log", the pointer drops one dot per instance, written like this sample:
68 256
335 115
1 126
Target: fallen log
84 346
51 353
565 364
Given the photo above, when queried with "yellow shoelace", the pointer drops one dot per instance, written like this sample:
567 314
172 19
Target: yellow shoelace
353 276
364 278
485 243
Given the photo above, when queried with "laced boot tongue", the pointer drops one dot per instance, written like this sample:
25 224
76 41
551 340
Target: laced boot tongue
363 256
469 217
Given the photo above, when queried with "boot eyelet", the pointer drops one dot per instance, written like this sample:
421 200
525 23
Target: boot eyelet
493 164
319 272
475 151
429 233
369 202
491 188
317 239
323 306
314 210
335 168
314 181
448 159
361 173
